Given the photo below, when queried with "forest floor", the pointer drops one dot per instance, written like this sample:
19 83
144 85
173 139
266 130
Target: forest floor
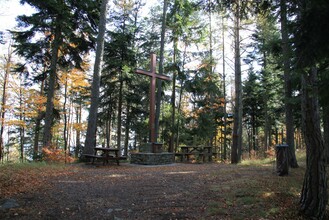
175 191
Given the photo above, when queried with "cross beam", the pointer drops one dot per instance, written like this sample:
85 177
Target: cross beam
154 76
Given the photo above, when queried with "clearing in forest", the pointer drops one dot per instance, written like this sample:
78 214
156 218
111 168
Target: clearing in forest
176 191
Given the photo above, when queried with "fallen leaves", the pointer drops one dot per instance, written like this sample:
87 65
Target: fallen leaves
20 178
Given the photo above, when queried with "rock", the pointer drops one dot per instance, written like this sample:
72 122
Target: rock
9 204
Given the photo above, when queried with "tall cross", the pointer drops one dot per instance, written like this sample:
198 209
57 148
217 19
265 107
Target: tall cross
153 76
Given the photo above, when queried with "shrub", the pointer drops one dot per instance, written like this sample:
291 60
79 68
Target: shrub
56 155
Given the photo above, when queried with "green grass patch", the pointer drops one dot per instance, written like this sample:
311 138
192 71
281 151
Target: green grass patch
258 162
252 190
215 208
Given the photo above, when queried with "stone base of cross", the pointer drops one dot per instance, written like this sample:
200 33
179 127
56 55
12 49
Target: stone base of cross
152 73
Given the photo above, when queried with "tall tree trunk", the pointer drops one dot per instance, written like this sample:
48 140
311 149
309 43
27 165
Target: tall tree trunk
224 153
267 124
173 100
288 87
314 197
326 130
127 131
108 129
119 125
47 133
159 82
4 99
38 127
92 119
22 119
78 132
65 116
237 126
179 108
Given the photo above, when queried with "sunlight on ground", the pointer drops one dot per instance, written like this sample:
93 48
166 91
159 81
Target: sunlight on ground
116 175
267 194
181 172
71 181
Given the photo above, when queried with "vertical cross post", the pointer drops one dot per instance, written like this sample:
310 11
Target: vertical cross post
154 76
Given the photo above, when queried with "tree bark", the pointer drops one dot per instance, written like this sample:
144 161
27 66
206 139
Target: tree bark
4 100
224 154
120 103
47 133
159 82
237 126
173 100
288 87
78 132
22 119
127 130
38 125
65 133
108 129
92 119
314 198
326 131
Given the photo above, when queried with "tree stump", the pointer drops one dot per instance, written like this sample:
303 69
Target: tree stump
282 165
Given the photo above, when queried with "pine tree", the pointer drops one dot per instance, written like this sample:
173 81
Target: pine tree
92 119
311 53
67 26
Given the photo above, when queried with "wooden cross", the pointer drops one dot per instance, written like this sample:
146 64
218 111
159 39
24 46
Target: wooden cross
153 76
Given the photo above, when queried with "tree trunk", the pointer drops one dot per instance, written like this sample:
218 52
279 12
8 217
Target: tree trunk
173 100
237 126
119 125
22 119
78 132
47 133
127 131
314 198
108 129
224 154
267 123
38 126
92 119
65 117
4 100
326 130
288 87
159 82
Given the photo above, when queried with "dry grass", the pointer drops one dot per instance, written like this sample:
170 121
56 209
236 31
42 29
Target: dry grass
250 190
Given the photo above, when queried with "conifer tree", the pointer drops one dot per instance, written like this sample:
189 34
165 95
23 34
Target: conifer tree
68 27
92 119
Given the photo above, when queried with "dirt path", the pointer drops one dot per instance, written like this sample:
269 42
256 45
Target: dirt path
177 191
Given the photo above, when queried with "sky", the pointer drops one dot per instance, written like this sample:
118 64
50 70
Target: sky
9 9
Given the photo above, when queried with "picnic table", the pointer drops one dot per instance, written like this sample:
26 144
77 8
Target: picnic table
205 152
105 154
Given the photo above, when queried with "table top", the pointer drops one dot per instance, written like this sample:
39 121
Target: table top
106 149
196 147
200 149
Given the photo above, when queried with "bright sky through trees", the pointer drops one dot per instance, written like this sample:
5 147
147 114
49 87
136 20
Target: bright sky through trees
9 10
